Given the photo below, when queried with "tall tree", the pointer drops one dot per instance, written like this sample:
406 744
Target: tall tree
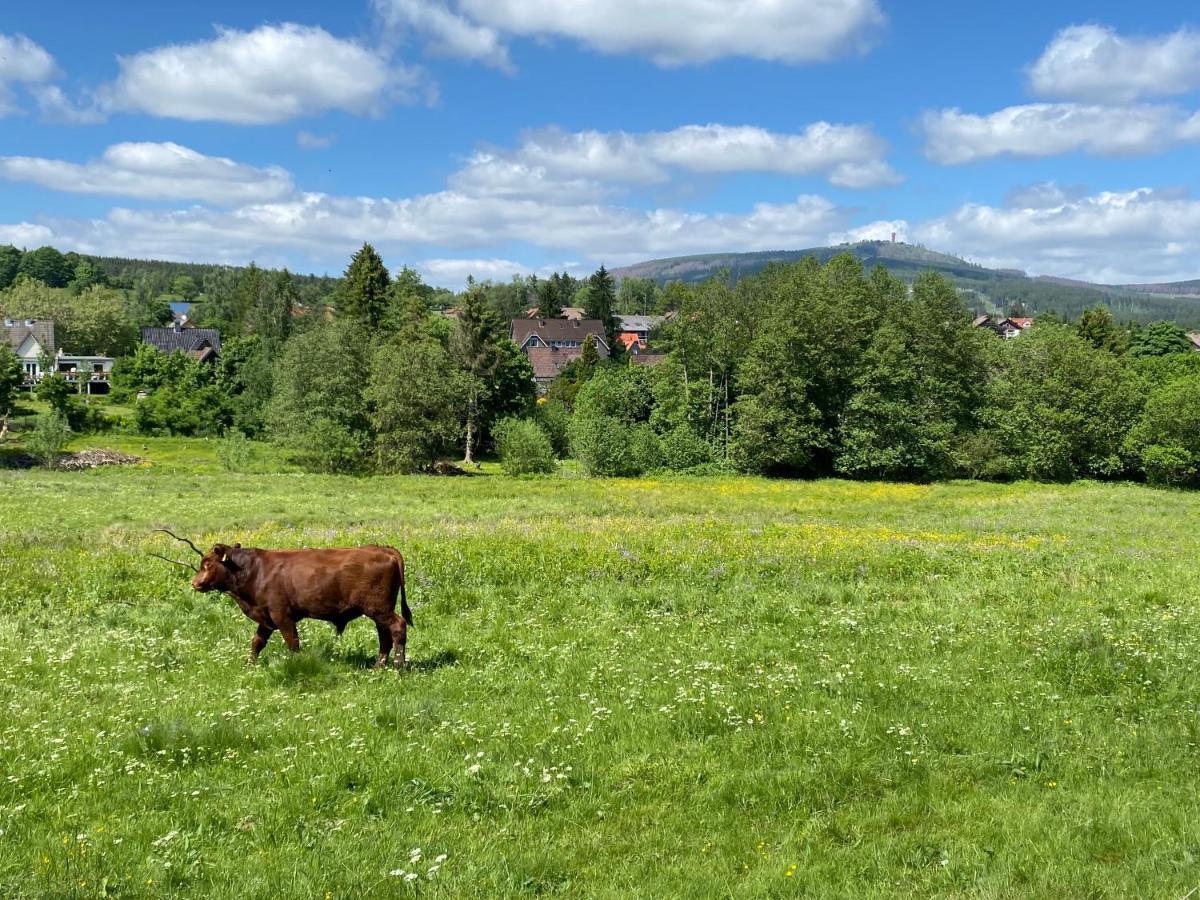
602 304
10 262
365 294
11 377
1160 339
1098 328
475 344
270 316
549 301
48 266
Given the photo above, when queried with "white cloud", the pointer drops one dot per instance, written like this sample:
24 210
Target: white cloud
453 273
21 62
26 234
150 171
670 32
1095 63
550 160
1109 237
319 226
1046 129
307 140
872 231
451 34
271 74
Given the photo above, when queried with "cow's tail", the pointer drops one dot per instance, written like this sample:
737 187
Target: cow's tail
404 610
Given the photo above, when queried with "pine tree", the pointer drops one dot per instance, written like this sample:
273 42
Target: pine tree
365 289
549 301
1098 328
602 304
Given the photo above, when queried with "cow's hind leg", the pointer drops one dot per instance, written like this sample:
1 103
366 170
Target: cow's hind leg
259 641
399 629
385 644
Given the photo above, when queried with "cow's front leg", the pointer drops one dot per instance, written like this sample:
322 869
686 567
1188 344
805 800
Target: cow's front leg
287 629
259 641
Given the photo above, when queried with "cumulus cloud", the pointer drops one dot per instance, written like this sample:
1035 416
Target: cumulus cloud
1096 63
154 171
449 33
26 234
578 162
872 231
268 75
453 273
21 62
1108 237
670 32
1046 129
320 225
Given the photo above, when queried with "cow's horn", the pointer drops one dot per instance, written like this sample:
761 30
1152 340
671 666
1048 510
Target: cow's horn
199 552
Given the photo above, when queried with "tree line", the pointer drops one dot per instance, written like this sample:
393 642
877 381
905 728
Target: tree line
803 370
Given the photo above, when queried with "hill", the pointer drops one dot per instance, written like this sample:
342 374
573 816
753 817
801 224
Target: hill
986 290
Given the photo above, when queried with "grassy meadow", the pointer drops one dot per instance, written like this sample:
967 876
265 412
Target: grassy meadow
692 688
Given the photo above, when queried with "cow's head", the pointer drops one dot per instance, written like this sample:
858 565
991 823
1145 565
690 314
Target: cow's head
219 568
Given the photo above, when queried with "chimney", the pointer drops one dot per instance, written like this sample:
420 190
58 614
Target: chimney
29 323
8 323
175 326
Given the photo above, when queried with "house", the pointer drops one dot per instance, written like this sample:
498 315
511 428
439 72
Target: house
641 326
32 340
552 344
1194 337
568 312
1007 327
203 344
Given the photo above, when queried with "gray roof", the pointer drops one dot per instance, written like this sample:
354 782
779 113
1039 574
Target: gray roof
639 323
42 331
169 340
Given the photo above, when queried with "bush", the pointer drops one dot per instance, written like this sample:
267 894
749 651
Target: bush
201 411
1166 439
683 449
49 435
607 447
235 452
554 419
328 446
524 448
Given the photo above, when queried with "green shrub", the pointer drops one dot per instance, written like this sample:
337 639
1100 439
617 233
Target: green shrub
682 449
49 435
234 451
1166 439
328 446
554 418
524 448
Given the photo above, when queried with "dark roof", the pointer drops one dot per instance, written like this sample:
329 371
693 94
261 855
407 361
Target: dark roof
547 362
560 330
647 359
169 340
41 329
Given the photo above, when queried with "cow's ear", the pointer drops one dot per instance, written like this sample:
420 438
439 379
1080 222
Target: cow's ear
220 551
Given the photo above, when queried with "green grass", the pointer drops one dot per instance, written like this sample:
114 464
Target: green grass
722 687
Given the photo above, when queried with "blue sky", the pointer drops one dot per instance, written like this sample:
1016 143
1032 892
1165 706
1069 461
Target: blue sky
492 136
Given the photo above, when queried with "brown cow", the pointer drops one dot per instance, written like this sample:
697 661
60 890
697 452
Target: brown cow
278 588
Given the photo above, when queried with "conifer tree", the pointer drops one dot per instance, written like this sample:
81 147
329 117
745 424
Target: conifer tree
475 344
365 289
602 304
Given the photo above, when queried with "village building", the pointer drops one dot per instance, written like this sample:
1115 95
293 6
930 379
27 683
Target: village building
32 340
552 344
1008 327
203 344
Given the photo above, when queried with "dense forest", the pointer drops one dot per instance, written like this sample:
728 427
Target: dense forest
803 369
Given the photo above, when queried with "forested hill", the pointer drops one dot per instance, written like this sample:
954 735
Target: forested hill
162 277
987 290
